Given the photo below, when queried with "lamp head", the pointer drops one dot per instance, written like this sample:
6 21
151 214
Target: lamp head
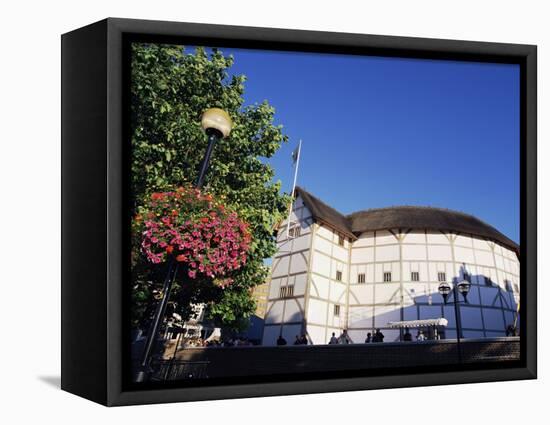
444 290
217 119
464 287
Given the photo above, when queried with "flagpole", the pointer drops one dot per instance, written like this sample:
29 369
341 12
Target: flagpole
293 187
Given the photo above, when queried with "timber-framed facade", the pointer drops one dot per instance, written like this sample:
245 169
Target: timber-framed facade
362 271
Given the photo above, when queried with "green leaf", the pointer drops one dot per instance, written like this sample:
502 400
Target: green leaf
170 90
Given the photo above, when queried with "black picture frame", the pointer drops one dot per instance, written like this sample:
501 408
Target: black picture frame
94 182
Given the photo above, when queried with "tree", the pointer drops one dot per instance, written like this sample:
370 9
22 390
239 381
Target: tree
170 89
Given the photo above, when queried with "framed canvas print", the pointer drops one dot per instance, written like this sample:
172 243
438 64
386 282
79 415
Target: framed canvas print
252 212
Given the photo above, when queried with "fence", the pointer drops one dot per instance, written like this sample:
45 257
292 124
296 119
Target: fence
246 361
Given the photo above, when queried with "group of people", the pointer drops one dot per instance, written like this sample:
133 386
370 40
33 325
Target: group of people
377 337
299 340
420 336
344 338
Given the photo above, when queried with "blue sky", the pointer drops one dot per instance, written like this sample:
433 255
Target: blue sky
392 131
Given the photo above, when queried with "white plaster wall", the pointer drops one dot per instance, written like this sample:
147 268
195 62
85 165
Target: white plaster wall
319 286
274 312
293 310
317 334
360 316
290 267
321 264
387 253
361 294
429 253
280 267
414 252
325 232
362 255
300 284
298 263
338 292
384 237
374 303
317 311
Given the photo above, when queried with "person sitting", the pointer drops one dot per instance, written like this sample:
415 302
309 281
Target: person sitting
303 339
333 339
369 338
407 336
421 336
298 340
281 340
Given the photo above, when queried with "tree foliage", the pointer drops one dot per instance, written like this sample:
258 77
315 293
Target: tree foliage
170 89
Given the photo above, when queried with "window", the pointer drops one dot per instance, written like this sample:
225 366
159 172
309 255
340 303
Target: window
488 281
294 232
286 291
361 278
336 309
387 276
442 277
338 275
415 276
516 288
341 240
508 285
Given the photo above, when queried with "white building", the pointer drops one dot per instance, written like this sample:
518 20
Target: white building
361 271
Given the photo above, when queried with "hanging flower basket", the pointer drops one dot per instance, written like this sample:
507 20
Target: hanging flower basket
193 228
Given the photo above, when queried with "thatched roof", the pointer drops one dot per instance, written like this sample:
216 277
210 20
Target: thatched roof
402 217
325 213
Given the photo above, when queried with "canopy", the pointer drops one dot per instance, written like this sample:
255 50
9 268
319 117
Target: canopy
419 323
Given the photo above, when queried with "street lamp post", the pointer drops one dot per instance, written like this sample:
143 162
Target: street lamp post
445 289
217 124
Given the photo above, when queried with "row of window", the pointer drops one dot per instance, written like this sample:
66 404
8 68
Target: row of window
441 277
288 291
294 232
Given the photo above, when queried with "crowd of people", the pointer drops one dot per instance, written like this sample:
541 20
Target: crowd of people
299 340
343 338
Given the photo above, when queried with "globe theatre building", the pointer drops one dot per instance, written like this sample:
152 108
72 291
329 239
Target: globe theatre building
368 269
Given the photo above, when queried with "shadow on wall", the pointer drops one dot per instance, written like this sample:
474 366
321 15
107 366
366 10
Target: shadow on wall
295 325
488 312
255 330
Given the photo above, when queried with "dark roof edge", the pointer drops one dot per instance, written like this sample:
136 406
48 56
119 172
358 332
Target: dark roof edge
324 213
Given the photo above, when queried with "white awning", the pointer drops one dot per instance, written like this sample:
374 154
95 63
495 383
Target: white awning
419 323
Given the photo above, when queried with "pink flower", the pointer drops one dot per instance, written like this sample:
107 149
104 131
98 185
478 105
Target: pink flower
212 246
